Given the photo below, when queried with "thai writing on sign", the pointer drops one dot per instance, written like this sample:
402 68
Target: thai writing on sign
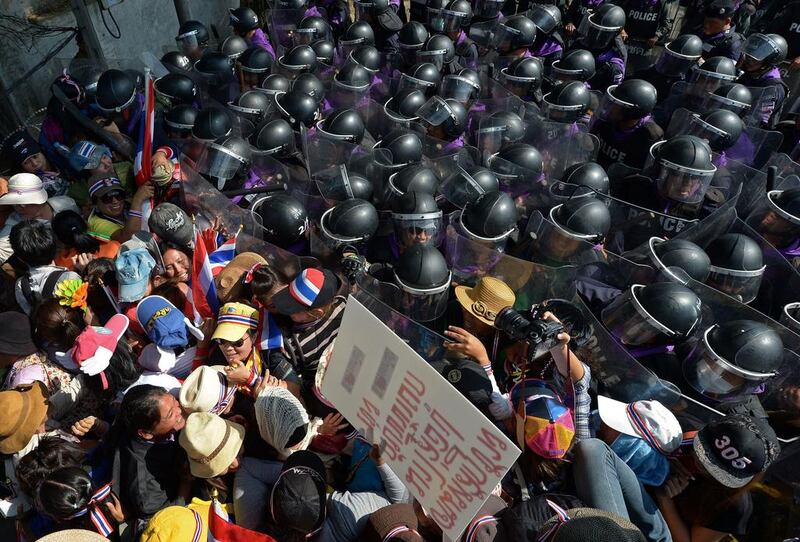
446 452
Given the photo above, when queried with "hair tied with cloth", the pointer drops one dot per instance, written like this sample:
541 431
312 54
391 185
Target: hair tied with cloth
248 277
95 511
72 293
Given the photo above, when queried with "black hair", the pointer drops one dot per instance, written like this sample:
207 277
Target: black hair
264 281
33 242
139 410
66 491
52 453
71 230
121 372
98 273
57 325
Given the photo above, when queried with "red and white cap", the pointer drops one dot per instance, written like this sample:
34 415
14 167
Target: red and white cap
648 420
95 345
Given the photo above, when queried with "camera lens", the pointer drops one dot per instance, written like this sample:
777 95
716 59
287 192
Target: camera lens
512 323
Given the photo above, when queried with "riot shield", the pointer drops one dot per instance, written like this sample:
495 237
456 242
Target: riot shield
457 186
487 137
282 25
763 103
546 243
786 167
561 144
733 176
532 283
380 121
776 227
640 56
415 305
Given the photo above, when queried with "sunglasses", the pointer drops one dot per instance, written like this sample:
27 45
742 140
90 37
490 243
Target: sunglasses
111 196
235 344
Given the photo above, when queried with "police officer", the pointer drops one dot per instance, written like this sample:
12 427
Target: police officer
457 16
623 124
647 21
762 53
246 24
718 34
192 39
601 34
549 44
673 64
786 22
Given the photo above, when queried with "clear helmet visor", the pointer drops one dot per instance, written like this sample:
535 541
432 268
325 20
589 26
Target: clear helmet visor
759 47
435 20
435 57
435 111
712 102
422 305
458 88
790 317
304 36
218 162
563 113
595 36
627 320
342 95
452 21
714 377
561 192
741 285
673 64
488 9
515 180
554 243
489 139
188 42
334 183
779 228
682 184
418 229
612 109
702 81
519 86
460 188
409 82
505 36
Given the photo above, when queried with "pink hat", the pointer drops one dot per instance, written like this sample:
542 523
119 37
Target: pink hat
95 345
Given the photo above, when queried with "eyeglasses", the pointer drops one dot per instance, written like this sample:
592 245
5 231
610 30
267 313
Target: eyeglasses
111 196
236 344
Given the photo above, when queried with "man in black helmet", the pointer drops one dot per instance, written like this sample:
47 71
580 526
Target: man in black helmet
718 33
192 39
761 55
246 24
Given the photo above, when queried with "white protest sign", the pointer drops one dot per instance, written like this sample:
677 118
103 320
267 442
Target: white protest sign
443 449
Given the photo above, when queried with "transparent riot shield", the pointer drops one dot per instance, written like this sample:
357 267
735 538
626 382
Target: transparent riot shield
785 165
763 103
545 243
616 270
733 176
772 224
640 56
561 144
380 121
457 186
282 25
532 283
485 134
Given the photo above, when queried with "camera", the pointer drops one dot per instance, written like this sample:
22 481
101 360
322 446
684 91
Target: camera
538 333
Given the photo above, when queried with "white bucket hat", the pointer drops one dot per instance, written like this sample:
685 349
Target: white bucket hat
24 189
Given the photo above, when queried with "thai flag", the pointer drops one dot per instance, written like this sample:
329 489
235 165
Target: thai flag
269 335
204 293
142 163
222 256
220 528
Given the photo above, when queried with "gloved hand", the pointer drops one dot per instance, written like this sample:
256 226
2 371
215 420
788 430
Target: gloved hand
353 266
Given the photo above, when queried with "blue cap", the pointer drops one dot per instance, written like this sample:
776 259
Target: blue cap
164 324
133 273
86 155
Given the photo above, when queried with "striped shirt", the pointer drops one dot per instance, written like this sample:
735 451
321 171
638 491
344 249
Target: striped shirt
304 344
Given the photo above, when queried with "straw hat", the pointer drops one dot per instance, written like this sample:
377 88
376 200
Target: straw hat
211 443
24 189
74 535
204 389
23 410
486 299
229 280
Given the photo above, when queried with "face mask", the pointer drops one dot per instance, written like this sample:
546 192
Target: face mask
649 466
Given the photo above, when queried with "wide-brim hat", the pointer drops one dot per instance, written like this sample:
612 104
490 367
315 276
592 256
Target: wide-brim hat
211 443
24 410
487 298
24 189
205 389
74 535
229 281
590 524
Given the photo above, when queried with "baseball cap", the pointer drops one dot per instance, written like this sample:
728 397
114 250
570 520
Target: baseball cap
172 224
21 146
86 155
96 344
721 9
164 323
544 423
311 288
647 420
469 378
234 320
736 448
298 499
102 186
133 273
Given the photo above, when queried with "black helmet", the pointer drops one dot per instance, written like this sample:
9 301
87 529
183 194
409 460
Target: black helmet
179 88
368 57
589 174
422 268
87 76
737 265
491 217
721 128
583 218
716 67
786 203
416 178
116 90
181 118
243 19
517 162
680 55
356 185
680 254
274 137
768 49
731 96
283 218
276 83
311 29
546 17
523 75
512 126
192 34
683 168
298 108
456 14
568 101
422 75
358 33
233 46
516 32
463 86
212 123
325 51
635 98
456 122
405 147
299 58
438 50
734 359
255 60
602 26
575 65
465 185
252 105
175 60
352 77
418 214
403 106
311 85
227 158
662 312
351 221
415 202
412 36
216 68
343 124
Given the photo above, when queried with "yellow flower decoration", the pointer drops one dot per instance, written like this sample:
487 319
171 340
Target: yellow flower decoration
72 293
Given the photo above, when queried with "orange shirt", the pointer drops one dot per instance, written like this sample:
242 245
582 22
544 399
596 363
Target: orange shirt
108 249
